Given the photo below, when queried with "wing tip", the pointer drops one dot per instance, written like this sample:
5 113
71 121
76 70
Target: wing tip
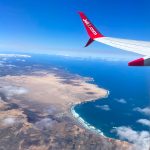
137 62
91 29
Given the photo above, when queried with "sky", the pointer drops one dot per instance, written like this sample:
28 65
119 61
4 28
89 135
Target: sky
54 26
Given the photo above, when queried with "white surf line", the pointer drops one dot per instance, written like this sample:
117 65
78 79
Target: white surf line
83 122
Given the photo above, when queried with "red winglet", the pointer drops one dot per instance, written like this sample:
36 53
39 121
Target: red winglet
91 29
89 42
137 62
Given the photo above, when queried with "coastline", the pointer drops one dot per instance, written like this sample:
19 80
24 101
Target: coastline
51 117
88 126
84 123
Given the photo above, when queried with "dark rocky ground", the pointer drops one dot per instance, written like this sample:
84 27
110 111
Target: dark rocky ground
22 127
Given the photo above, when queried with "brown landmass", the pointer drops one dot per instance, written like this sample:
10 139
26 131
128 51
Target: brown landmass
35 114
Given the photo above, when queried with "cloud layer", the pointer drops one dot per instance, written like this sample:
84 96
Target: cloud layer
14 55
140 139
144 122
104 107
46 123
123 101
10 91
9 121
145 110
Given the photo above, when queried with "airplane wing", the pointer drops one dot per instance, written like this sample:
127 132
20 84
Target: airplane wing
139 47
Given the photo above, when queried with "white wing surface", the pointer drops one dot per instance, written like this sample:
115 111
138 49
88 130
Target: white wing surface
139 47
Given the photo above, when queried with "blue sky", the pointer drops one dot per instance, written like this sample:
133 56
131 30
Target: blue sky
53 26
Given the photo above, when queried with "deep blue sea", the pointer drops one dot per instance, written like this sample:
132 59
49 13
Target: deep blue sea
129 89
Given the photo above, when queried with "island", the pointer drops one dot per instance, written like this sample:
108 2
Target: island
35 113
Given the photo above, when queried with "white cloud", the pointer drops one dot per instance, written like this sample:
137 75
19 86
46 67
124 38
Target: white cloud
103 56
1 63
113 59
10 121
140 140
10 66
123 101
46 123
104 107
14 55
5 57
13 90
145 110
144 122
50 110
18 59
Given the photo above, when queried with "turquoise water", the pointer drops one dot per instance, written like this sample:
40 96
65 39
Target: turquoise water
129 88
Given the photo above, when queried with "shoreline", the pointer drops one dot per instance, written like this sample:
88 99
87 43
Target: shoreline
84 123
58 119
87 125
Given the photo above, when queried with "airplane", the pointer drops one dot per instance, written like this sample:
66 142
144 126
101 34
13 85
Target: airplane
139 47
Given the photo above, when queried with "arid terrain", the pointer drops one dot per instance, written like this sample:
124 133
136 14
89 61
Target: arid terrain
35 113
